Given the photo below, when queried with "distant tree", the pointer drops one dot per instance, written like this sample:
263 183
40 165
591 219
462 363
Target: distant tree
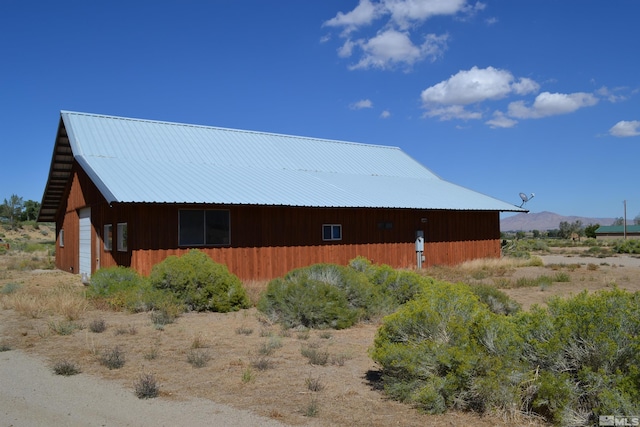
31 210
12 208
553 233
636 220
520 235
590 230
568 229
536 234
618 221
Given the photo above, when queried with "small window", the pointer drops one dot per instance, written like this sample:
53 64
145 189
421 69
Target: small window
332 232
203 227
122 237
61 238
108 237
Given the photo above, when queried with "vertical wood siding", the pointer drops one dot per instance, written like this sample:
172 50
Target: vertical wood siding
269 241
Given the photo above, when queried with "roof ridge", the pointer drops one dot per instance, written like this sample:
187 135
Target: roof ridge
245 131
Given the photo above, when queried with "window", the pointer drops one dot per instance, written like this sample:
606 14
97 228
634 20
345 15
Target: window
108 237
332 232
122 237
61 238
204 228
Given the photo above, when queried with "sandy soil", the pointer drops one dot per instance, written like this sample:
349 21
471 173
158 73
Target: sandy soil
232 389
31 395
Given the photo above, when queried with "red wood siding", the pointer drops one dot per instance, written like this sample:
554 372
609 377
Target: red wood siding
269 241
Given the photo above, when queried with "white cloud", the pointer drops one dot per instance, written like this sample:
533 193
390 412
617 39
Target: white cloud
364 14
385 114
452 112
626 128
609 95
346 49
525 86
392 43
403 12
476 85
393 47
500 120
363 103
551 104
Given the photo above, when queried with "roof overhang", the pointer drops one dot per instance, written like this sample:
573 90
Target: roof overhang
59 174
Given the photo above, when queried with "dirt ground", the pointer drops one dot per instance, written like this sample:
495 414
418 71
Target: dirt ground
253 365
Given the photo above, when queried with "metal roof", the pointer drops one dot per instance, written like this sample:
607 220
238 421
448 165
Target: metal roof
144 161
618 229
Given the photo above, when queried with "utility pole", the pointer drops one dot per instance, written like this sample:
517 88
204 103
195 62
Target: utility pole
624 223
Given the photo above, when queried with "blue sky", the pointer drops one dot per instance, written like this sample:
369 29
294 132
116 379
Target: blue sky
500 96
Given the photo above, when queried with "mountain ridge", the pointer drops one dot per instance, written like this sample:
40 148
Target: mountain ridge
546 221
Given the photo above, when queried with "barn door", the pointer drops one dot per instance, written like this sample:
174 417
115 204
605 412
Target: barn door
85 244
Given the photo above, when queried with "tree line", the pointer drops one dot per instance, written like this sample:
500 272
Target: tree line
15 210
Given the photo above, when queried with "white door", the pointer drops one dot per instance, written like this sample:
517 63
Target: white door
85 244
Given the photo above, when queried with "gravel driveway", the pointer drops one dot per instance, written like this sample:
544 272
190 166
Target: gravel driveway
31 395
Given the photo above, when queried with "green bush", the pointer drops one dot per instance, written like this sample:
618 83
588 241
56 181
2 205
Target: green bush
200 283
446 349
569 363
307 302
110 280
497 301
628 246
123 288
334 296
399 286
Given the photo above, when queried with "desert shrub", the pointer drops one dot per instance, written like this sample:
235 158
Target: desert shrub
113 358
314 384
65 368
628 246
161 318
309 303
63 327
359 292
123 288
262 363
592 338
323 296
569 363
561 277
315 355
497 301
398 286
9 288
198 357
200 283
360 264
446 349
97 326
146 387
110 280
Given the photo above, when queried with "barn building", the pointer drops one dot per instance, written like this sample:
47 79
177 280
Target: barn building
131 192
614 232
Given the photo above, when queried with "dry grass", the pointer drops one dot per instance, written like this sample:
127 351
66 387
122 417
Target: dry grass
64 300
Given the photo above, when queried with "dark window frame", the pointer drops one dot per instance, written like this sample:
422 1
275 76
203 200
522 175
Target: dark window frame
197 227
331 232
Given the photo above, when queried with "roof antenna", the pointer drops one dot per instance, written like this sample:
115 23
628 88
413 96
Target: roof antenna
525 198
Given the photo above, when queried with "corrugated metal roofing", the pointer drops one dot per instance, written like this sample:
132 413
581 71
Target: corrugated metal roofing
618 229
133 160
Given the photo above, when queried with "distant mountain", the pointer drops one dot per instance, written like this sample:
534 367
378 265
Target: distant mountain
545 221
